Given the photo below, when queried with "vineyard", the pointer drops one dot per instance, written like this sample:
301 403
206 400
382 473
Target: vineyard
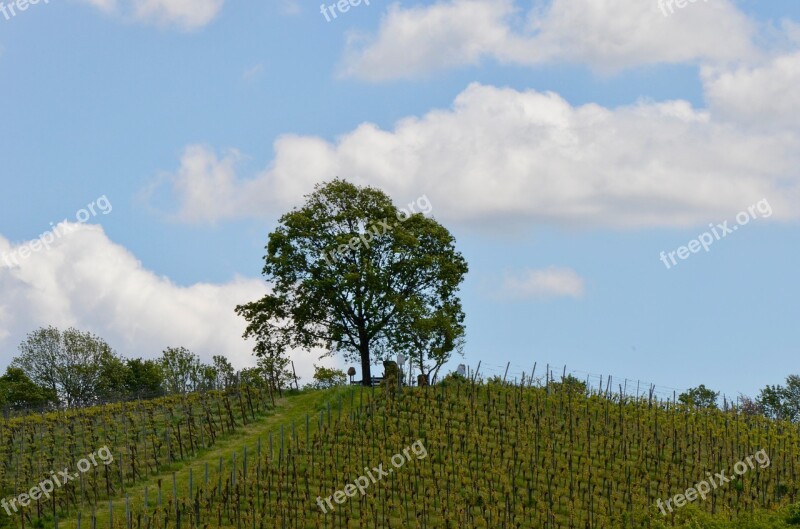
145 438
497 456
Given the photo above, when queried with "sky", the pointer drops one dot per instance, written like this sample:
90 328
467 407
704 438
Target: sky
622 176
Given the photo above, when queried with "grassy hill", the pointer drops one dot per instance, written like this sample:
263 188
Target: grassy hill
451 456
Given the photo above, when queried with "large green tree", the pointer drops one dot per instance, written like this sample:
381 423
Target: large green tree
342 268
73 364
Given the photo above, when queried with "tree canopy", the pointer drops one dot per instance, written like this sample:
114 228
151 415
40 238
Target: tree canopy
19 391
428 335
72 364
781 402
349 271
699 397
184 372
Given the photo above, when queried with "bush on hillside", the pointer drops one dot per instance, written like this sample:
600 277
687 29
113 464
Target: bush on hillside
327 377
453 378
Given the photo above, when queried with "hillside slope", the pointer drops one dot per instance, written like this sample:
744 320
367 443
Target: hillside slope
465 455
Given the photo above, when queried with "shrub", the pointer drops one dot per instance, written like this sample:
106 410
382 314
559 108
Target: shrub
327 377
793 514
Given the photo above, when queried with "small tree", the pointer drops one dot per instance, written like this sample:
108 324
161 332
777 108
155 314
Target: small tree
749 407
204 378
781 402
226 375
570 383
274 364
792 397
113 378
430 335
144 378
18 391
328 377
454 378
180 368
251 376
699 397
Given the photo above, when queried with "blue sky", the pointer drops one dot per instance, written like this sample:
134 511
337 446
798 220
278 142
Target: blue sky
565 144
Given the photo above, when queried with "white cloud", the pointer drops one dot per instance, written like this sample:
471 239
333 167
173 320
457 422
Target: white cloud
86 281
790 31
608 35
423 39
502 154
542 284
184 14
188 14
763 96
207 184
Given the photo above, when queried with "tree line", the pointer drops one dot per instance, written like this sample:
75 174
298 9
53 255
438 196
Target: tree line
779 402
73 368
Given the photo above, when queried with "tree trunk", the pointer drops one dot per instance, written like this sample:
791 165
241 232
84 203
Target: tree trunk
366 373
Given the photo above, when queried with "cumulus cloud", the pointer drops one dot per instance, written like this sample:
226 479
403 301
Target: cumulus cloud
207 183
423 39
608 35
502 154
87 281
542 284
761 96
185 14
